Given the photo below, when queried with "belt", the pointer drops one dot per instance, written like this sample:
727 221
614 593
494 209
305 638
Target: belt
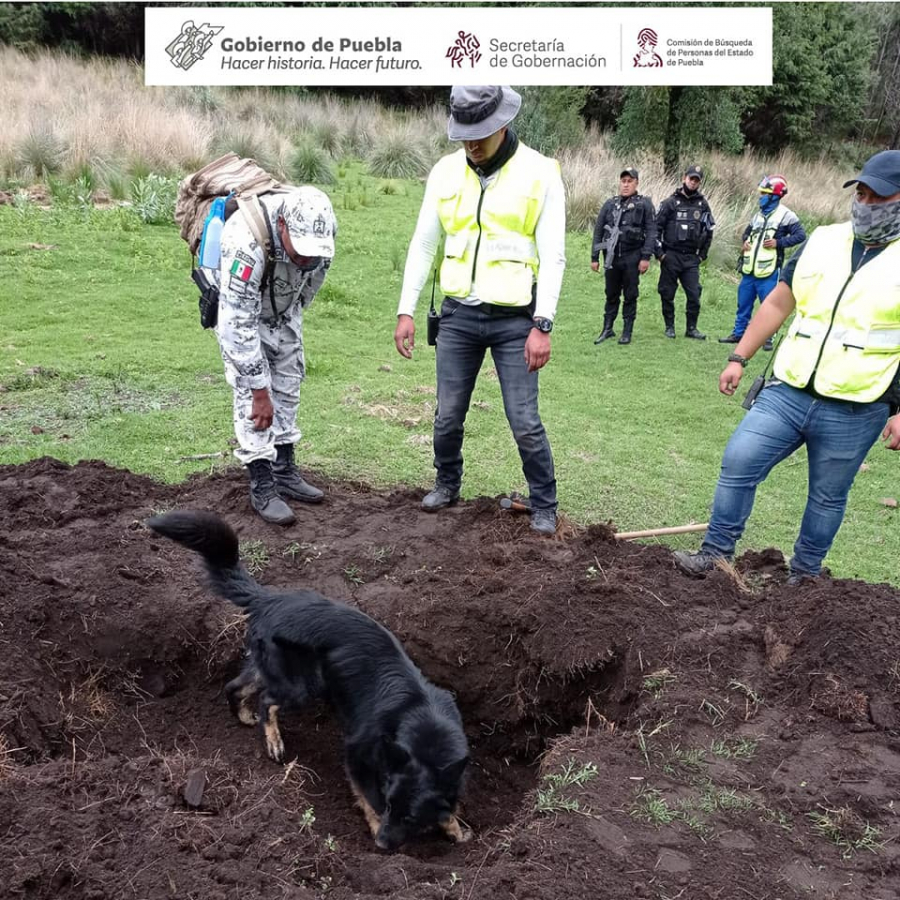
494 310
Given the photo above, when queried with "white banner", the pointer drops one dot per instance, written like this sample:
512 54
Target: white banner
472 45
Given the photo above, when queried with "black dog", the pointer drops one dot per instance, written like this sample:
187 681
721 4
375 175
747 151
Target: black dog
406 751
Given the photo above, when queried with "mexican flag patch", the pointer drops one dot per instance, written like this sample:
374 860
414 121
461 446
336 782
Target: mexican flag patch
241 270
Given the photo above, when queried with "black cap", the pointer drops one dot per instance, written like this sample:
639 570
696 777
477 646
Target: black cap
694 172
631 172
881 173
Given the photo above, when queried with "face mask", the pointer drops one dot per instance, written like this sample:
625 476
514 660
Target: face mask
767 202
875 223
689 190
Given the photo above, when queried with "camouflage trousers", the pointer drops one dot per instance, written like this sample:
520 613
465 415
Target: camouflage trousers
282 349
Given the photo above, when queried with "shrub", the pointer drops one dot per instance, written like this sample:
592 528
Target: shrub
397 153
310 163
550 118
40 151
153 198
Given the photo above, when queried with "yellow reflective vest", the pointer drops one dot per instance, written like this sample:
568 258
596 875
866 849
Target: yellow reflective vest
490 231
844 340
760 261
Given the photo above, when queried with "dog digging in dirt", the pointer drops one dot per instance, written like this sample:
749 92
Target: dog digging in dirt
405 749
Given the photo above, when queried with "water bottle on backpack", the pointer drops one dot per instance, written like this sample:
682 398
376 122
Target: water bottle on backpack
210 243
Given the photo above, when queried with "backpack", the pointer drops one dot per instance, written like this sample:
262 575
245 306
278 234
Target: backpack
241 181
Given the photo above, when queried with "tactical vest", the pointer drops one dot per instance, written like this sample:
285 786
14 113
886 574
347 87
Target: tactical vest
687 226
844 341
759 261
490 231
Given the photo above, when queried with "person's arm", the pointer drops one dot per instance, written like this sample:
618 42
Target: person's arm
794 233
662 219
649 248
550 238
770 316
599 232
419 259
707 234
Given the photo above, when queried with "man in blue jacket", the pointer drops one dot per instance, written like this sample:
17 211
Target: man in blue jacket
771 231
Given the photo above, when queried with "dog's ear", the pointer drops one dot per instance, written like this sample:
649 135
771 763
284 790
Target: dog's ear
451 774
395 756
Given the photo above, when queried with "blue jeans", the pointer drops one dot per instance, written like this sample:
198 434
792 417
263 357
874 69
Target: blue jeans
748 290
837 435
466 332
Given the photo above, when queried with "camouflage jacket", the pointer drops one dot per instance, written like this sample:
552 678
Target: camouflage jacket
244 307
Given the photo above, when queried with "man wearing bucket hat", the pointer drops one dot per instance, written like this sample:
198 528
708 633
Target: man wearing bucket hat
501 208
260 332
625 232
836 386
685 224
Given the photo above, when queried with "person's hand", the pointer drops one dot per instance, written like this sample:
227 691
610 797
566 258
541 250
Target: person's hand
262 412
643 265
595 266
405 335
746 246
537 350
770 244
891 433
730 378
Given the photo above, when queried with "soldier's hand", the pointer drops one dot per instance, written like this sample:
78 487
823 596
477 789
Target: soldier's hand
405 335
770 244
262 412
730 378
891 433
537 350
595 266
643 266
746 246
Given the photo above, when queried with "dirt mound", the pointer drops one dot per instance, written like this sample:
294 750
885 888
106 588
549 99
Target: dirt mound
634 733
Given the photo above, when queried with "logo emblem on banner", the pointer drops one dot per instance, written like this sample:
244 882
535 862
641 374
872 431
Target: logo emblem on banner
466 46
191 45
647 57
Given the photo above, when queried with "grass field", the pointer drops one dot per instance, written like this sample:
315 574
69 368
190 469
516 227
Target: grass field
102 356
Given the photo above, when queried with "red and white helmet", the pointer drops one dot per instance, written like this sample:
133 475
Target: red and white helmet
773 184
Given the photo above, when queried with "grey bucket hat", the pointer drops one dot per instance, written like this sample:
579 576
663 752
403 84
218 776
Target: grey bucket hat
478 111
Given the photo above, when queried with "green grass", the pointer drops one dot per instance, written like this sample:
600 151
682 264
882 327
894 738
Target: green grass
637 432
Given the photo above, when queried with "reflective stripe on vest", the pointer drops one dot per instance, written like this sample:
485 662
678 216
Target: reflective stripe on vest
759 261
490 232
845 336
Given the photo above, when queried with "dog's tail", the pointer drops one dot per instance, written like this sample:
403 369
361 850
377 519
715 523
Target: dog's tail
215 540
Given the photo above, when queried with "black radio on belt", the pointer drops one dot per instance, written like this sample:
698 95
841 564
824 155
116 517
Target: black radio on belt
209 298
434 317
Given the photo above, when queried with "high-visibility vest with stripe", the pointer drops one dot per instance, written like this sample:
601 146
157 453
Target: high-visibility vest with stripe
844 340
761 261
490 231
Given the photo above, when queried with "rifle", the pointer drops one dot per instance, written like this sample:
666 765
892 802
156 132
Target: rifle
612 239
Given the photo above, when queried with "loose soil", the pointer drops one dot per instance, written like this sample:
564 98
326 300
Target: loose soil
634 733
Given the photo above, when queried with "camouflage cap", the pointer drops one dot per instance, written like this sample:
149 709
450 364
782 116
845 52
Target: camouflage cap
310 221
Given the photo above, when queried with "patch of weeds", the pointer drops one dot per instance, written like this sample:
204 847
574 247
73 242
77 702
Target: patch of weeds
551 798
353 574
652 807
847 830
693 759
380 555
398 258
308 552
656 682
331 843
455 879
255 556
307 820
735 748
777 818
714 798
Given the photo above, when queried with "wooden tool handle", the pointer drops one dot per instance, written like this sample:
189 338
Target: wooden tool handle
655 532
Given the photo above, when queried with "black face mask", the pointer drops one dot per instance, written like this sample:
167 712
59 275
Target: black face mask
689 191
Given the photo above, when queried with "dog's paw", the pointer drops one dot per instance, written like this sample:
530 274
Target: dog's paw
247 716
274 745
465 835
456 831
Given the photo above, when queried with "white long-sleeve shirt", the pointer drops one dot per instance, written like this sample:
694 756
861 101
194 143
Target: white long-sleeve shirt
549 236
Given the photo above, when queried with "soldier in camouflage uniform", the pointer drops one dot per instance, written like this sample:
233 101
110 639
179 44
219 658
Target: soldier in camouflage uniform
260 332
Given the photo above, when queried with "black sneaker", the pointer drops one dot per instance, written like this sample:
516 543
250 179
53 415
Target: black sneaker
731 339
543 521
439 497
696 335
696 564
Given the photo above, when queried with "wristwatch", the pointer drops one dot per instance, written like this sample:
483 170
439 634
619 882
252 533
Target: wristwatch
736 357
542 324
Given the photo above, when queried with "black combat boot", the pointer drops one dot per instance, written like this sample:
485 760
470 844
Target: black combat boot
264 496
670 330
692 332
607 332
626 332
288 479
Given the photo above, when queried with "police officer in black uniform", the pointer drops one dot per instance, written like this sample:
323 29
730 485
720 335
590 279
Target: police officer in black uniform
626 233
685 224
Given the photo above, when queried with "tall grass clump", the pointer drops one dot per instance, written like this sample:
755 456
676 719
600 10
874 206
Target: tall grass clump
153 198
398 153
40 152
309 162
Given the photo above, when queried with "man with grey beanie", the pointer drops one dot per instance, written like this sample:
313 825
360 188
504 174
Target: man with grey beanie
501 207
